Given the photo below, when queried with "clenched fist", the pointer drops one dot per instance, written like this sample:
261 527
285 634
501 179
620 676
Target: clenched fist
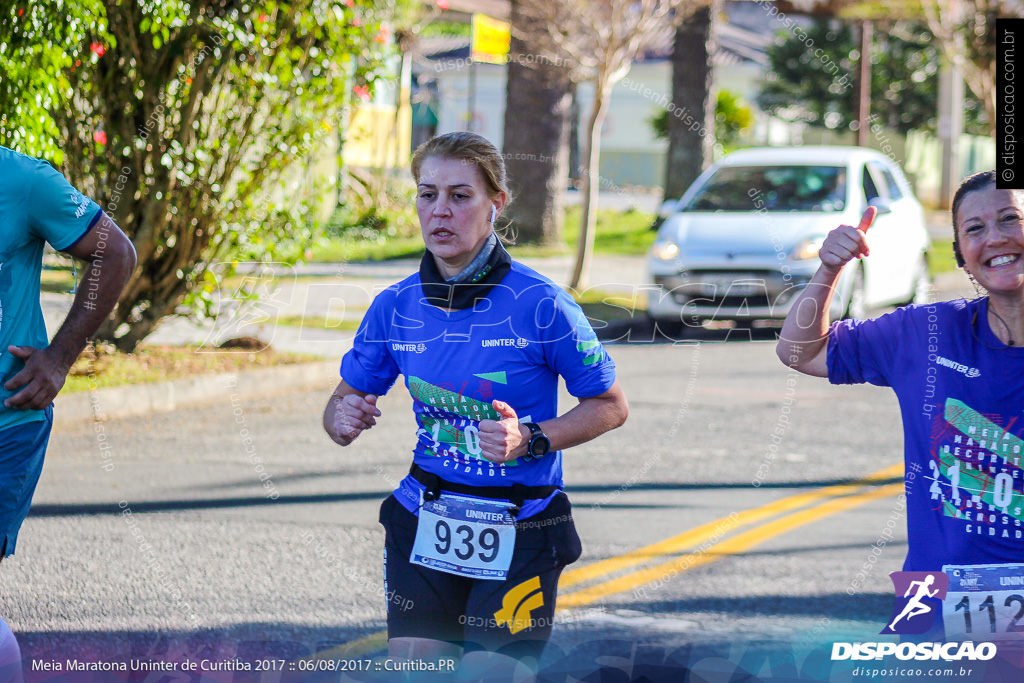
500 440
349 416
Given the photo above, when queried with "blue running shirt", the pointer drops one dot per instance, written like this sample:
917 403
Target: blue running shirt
37 205
512 346
961 395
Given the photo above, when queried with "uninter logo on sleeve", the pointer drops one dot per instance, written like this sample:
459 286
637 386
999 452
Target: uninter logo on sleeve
81 203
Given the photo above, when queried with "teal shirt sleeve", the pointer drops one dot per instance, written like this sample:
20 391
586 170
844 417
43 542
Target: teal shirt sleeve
56 211
38 205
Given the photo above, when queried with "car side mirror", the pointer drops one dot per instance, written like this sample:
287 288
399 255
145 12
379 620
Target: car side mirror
668 207
880 204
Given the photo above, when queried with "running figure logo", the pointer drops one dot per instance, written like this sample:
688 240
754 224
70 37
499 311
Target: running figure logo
922 594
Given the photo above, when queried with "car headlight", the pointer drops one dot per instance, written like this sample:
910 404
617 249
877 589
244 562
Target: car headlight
664 251
807 249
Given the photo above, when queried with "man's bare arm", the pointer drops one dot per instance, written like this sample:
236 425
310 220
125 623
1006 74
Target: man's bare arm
110 259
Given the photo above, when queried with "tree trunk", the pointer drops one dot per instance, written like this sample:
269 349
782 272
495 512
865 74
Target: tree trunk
574 136
537 96
591 178
982 85
691 124
140 327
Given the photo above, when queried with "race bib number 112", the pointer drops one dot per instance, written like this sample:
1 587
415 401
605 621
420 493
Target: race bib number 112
984 602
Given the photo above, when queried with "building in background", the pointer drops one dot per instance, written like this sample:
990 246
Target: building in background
631 154
443 78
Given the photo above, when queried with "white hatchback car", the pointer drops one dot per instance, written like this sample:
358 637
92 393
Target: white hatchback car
743 240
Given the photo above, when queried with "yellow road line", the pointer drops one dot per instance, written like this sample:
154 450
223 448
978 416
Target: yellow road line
375 642
695 537
731 546
837 498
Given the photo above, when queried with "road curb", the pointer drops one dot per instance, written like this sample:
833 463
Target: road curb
142 399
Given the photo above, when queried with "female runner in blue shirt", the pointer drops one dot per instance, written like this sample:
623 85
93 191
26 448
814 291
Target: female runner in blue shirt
957 368
478 533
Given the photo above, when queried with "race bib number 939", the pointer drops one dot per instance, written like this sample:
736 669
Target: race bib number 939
466 537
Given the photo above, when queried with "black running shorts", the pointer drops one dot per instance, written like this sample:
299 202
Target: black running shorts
513 617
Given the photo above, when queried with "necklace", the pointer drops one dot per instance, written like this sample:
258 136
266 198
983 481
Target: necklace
1009 335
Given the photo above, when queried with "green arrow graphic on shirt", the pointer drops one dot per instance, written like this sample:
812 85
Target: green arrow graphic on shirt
498 377
591 350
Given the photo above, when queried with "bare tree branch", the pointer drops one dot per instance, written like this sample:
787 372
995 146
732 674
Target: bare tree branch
598 42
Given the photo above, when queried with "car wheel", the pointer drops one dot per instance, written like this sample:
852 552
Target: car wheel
922 293
856 306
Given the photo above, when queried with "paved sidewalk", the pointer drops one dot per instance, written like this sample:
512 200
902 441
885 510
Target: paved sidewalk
316 292
327 293
323 292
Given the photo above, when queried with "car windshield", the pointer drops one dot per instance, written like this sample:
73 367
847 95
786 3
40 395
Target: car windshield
772 188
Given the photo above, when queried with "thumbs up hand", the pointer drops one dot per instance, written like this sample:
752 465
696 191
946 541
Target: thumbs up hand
846 242
502 440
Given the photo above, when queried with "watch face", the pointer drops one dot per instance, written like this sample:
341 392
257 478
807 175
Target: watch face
539 445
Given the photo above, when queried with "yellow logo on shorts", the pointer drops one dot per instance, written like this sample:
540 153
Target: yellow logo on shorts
518 603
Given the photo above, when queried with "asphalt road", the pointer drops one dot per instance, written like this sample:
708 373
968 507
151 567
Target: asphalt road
238 528
719 524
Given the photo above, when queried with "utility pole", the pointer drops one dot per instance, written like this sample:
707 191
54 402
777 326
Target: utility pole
951 127
864 84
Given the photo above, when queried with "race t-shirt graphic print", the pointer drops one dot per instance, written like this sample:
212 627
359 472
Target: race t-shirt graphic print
976 470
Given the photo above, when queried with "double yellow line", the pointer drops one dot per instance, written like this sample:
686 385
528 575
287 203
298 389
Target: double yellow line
702 546
695 547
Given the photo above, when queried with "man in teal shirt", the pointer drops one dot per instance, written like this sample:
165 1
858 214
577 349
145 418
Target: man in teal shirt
37 205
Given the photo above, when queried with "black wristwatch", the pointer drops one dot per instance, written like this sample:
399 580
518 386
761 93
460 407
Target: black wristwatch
539 445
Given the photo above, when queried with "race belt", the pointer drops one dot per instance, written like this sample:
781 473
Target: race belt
517 494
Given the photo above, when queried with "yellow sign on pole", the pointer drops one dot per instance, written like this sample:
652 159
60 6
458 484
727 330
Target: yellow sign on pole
489 39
